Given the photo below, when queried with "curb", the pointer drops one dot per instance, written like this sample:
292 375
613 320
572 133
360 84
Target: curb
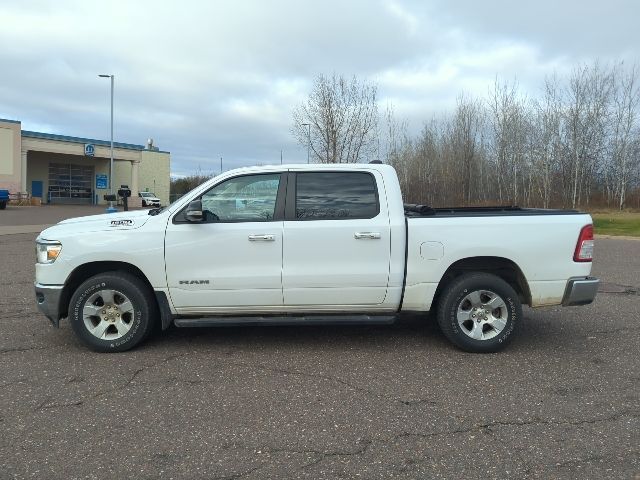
18 229
616 237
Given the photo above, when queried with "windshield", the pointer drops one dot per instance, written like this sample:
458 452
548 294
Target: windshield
146 194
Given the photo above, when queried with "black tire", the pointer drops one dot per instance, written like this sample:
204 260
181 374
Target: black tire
140 318
456 301
3 205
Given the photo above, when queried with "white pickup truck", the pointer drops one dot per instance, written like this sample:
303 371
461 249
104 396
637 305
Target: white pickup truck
310 244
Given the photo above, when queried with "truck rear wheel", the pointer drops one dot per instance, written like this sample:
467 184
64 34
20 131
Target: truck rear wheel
479 312
112 312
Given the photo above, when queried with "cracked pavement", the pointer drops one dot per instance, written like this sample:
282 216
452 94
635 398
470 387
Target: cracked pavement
375 402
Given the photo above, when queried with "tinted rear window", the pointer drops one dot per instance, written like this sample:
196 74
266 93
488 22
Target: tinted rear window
335 196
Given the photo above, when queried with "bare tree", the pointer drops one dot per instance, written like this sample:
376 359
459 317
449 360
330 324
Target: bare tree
576 143
467 123
343 114
546 142
625 118
398 145
427 162
587 117
508 139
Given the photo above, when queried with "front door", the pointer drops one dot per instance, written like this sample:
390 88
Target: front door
36 188
232 260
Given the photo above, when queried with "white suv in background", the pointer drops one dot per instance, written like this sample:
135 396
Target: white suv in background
149 199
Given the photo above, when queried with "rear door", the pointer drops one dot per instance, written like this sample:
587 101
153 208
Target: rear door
336 239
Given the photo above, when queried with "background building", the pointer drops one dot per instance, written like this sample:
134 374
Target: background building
63 169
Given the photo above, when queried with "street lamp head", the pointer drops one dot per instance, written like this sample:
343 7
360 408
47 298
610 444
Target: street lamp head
105 76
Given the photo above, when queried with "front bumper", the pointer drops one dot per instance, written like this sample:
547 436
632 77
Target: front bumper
48 300
580 291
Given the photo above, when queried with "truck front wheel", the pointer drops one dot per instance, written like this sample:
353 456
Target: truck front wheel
3 205
112 312
479 312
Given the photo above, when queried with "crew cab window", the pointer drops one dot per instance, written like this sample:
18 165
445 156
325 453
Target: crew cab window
336 196
251 198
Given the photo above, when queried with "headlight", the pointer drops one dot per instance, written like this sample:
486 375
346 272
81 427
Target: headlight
47 251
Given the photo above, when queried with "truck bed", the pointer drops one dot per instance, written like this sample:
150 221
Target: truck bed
424 211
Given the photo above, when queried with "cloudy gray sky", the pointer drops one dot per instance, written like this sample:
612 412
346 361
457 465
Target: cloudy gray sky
211 78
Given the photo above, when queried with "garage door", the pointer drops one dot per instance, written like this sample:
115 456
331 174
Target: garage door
70 183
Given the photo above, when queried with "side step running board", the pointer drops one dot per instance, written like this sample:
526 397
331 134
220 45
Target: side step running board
285 320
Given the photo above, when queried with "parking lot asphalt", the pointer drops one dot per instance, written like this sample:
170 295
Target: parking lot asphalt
22 216
563 401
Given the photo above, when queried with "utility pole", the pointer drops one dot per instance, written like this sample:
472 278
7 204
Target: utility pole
221 164
111 208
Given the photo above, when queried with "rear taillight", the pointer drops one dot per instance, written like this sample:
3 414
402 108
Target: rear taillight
584 247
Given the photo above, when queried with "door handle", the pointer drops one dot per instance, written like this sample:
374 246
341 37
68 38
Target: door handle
367 235
262 238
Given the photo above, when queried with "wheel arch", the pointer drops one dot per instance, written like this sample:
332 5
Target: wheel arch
502 267
87 270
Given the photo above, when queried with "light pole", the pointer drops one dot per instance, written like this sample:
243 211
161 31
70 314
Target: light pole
308 125
111 208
